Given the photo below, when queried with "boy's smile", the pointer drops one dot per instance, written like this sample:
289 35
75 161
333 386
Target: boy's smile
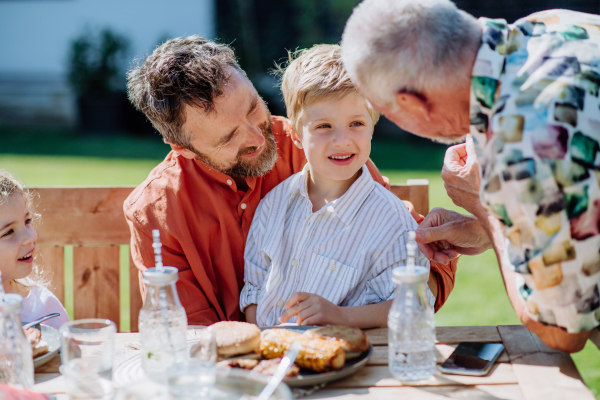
342 158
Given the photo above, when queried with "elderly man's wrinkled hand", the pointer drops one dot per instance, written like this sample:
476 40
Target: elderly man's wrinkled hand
461 176
444 234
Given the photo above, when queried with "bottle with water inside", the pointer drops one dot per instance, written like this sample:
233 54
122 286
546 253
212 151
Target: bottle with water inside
16 361
410 322
162 321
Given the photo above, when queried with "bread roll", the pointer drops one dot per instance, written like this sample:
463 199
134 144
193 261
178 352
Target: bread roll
235 338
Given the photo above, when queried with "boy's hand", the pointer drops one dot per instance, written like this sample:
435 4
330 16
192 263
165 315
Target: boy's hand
311 309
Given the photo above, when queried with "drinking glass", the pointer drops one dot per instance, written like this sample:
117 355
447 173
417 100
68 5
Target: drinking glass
87 354
196 378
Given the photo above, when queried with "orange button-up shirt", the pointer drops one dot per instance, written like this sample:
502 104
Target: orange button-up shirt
204 222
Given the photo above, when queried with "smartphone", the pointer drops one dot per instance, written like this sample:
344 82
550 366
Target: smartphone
470 358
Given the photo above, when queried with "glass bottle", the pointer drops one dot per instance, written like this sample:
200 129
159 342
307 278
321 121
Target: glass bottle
162 324
16 361
411 323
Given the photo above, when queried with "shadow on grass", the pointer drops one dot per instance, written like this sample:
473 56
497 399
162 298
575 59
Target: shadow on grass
404 152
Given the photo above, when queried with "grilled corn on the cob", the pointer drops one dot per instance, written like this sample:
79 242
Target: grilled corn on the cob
317 354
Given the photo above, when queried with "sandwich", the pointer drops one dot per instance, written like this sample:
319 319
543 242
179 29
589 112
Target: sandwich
38 346
353 341
317 354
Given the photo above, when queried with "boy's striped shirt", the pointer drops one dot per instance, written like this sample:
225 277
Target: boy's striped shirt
344 252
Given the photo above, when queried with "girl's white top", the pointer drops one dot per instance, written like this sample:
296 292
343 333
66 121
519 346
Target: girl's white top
345 252
40 302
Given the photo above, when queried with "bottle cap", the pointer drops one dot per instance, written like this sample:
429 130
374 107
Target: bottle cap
168 275
403 275
11 302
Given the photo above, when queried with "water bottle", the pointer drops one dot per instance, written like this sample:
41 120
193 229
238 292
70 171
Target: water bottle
16 361
163 324
410 322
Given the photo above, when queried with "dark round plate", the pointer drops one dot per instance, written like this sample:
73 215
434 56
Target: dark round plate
310 378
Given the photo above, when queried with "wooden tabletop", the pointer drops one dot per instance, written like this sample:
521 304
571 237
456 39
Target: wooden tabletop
527 370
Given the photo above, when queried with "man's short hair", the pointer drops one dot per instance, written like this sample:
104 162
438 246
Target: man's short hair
406 45
183 71
313 75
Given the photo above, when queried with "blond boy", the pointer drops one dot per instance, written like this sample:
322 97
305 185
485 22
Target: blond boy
323 243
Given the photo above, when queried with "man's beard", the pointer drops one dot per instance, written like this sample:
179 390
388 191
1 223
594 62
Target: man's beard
257 166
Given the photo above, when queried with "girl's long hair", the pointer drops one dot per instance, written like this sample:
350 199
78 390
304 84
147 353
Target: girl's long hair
9 185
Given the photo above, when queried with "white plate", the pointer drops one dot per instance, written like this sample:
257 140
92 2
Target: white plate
231 384
49 335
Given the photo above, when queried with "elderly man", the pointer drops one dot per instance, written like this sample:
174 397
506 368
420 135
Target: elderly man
228 153
528 93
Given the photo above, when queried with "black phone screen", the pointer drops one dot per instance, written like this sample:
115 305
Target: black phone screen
473 356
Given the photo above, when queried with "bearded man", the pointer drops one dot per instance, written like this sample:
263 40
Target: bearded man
528 93
227 153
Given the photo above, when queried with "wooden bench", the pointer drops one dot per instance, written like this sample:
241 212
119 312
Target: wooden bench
89 222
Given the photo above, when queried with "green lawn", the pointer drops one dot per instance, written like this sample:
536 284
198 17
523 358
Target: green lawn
478 298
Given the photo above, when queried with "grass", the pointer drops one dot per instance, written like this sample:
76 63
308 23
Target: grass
63 158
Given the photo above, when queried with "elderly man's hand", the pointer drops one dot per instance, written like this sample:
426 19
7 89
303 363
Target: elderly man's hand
444 234
461 176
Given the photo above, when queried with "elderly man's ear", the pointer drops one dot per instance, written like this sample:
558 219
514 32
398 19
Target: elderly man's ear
413 104
182 151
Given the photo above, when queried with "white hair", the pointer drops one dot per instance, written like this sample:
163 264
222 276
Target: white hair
407 45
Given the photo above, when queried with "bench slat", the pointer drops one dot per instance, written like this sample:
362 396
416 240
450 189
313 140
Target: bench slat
542 373
96 282
82 216
416 194
52 259
135 297
92 216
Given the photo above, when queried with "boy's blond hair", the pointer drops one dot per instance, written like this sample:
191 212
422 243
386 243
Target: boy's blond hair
314 75
10 185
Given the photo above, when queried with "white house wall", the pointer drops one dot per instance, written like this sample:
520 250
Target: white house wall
35 36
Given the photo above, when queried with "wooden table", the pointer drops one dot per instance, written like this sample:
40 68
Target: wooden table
527 370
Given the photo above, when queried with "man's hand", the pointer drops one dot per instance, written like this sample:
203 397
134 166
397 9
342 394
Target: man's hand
444 234
461 176
413 213
311 309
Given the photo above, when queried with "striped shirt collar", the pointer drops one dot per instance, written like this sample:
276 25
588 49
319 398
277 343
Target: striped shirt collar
345 207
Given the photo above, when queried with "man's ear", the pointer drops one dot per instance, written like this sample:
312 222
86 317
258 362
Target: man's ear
182 151
414 104
296 138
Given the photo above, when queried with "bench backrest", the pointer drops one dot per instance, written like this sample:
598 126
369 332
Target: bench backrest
89 222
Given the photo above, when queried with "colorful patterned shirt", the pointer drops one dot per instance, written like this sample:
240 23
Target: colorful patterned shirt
535 119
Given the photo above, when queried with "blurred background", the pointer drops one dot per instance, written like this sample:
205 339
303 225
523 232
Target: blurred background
65 118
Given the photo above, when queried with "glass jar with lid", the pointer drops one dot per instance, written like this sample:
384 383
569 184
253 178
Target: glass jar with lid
162 324
16 361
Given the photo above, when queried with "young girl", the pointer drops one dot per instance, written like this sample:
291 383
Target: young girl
17 251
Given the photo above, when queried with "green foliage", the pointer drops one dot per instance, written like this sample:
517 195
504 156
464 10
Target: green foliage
96 61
